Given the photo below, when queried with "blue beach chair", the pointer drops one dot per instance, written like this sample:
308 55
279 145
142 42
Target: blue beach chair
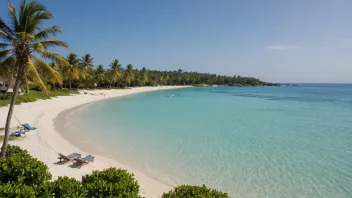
83 161
18 133
29 127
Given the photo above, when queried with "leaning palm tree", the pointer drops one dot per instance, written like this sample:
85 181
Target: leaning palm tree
115 68
23 39
40 71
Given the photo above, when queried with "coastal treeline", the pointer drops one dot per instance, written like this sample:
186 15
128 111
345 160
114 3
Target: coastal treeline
21 175
81 73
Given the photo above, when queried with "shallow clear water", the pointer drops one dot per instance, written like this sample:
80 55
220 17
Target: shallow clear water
250 142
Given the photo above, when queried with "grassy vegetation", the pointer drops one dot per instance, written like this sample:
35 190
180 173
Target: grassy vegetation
10 138
35 95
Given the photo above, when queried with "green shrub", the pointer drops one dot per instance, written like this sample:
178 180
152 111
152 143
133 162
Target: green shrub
64 187
111 182
186 191
17 190
19 167
16 150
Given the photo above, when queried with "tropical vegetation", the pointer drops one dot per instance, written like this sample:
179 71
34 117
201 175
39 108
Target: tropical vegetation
188 191
21 175
24 51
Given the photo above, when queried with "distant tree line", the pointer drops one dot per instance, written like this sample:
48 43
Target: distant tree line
81 73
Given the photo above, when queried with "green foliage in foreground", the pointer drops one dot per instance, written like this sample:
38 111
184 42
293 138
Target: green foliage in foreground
16 151
12 189
111 182
187 191
63 187
20 167
21 175
33 96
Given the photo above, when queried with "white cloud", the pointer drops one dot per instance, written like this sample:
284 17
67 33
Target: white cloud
283 47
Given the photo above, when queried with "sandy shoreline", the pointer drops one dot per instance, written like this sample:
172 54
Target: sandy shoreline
44 143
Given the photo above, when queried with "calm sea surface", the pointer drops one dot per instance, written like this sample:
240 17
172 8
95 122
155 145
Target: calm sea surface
250 142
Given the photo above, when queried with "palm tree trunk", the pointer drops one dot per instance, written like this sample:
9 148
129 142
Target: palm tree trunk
69 82
110 83
27 87
9 115
5 94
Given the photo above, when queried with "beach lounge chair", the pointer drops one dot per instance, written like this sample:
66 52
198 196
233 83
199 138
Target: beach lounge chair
83 161
28 127
68 158
18 133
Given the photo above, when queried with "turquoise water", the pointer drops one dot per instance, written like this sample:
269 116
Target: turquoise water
250 142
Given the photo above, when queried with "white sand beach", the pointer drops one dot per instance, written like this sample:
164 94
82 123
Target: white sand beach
45 143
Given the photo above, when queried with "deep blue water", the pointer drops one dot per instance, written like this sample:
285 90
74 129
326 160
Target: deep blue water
248 141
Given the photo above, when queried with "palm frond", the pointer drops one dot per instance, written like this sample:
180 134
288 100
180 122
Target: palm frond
71 72
4 45
35 8
53 75
83 74
13 16
52 43
9 61
55 57
34 73
5 37
32 15
53 30
5 53
38 47
5 28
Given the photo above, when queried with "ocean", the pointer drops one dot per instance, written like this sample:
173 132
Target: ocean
251 142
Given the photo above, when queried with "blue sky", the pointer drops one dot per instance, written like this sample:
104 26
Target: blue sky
274 40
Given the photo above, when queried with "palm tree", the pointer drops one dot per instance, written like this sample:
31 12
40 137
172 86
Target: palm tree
129 74
72 70
115 68
22 39
100 74
87 62
145 78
